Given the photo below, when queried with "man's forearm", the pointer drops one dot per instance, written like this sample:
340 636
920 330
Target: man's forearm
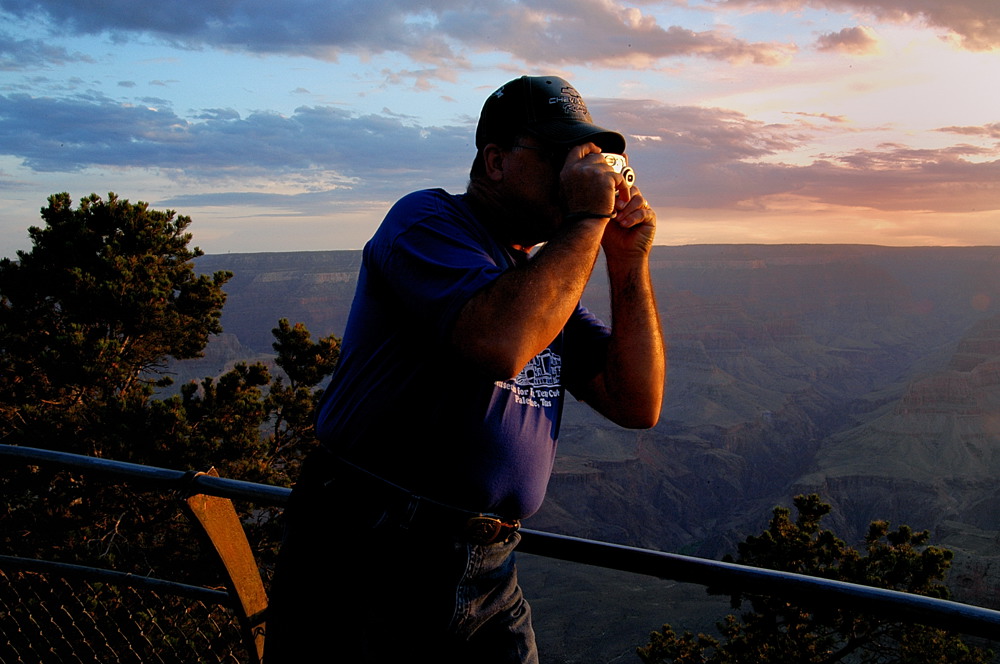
630 390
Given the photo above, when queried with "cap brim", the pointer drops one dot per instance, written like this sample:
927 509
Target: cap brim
569 133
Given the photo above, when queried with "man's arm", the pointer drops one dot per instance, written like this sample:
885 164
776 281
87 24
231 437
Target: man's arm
629 391
514 318
517 316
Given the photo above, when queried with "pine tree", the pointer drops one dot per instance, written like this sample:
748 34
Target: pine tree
774 630
90 320
90 317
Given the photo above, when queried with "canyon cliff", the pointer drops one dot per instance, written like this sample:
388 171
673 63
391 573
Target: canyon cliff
870 375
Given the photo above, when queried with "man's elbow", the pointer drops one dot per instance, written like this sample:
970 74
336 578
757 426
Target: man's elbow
634 413
646 419
496 361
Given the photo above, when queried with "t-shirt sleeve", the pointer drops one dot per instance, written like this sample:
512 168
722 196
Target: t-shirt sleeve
434 260
585 348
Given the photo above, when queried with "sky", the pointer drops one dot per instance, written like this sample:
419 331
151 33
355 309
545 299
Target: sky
294 125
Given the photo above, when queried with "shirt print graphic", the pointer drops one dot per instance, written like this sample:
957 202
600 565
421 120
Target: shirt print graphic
538 385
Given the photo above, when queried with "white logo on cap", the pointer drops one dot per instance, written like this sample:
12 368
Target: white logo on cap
571 100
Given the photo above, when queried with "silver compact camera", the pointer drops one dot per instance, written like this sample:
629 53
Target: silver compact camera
620 165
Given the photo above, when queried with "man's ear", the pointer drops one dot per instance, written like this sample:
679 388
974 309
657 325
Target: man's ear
493 161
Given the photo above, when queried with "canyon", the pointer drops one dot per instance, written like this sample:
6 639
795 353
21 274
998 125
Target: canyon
867 374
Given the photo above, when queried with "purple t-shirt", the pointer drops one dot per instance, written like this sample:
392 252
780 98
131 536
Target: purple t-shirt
403 405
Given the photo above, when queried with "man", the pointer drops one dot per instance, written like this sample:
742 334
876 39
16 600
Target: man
439 428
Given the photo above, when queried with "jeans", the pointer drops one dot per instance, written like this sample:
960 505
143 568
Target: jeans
353 586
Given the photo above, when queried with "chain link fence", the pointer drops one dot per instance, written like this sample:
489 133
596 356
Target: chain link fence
45 618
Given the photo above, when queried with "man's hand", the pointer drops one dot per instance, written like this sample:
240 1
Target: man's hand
590 184
632 229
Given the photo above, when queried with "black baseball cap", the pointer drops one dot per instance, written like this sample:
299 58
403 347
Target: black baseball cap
546 107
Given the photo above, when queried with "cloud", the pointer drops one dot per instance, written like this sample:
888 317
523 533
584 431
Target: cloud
707 158
423 79
23 54
435 32
991 130
899 178
860 40
594 31
313 147
976 23
836 119
217 114
321 157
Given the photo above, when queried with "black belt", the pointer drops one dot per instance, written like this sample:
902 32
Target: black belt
415 512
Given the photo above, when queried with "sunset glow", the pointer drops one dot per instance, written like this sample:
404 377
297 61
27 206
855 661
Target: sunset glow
294 126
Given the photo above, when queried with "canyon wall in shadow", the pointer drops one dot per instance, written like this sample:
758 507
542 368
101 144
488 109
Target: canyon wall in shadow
868 374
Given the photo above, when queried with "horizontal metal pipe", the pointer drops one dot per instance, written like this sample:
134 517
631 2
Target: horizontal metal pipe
808 591
173 479
71 571
725 577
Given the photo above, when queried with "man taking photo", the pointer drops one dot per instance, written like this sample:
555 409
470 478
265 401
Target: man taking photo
440 425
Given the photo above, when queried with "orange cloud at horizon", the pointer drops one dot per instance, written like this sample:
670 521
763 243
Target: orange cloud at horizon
792 219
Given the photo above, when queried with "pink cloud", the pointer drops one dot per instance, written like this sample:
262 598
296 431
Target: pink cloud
976 23
704 158
989 131
593 31
859 40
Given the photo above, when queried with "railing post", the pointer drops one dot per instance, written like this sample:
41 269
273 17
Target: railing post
217 520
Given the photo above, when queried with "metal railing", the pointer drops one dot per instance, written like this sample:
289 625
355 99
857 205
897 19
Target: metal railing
725 577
